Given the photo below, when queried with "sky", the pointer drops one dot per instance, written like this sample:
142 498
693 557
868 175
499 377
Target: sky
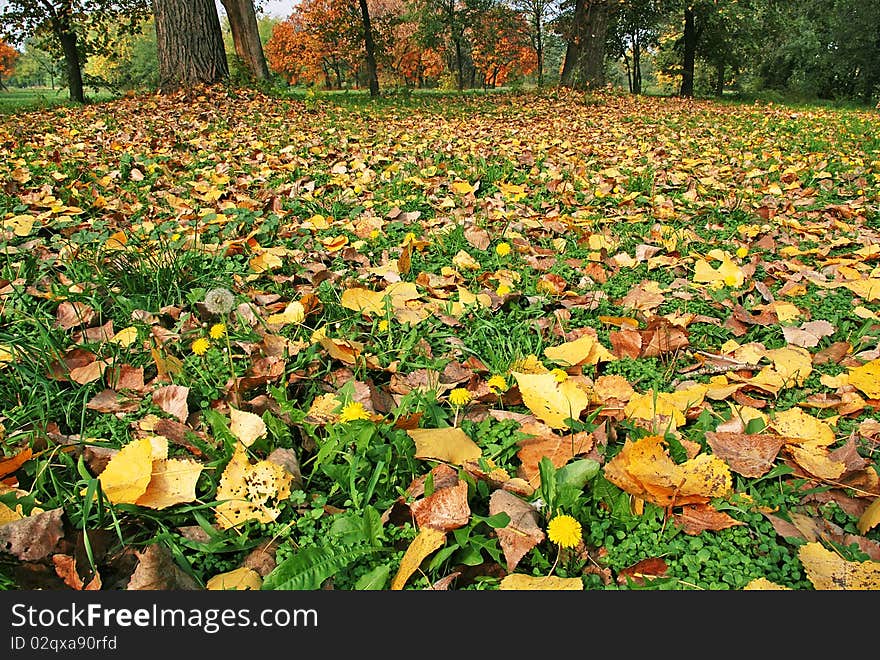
278 8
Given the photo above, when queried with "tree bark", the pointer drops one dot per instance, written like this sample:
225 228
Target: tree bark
370 48
246 36
189 44
720 70
584 65
67 37
689 42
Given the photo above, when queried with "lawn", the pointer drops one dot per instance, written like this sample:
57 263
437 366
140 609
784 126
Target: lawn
16 100
468 342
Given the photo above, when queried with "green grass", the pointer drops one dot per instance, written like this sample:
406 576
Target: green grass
14 100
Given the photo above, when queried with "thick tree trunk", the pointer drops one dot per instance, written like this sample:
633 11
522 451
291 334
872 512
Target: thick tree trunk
246 36
189 43
720 70
689 42
370 48
584 65
637 64
67 37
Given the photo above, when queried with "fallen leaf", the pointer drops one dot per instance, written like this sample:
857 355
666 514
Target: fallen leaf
870 518
452 445
173 481
34 537
828 571
550 401
426 541
523 582
522 533
751 455
172 399
445 509
697 518
128 473
246 426
250 491
156 571
239 579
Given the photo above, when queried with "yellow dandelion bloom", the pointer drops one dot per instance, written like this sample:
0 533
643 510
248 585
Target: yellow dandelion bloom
217 330
502 249
352 411
559 374
459 396
502 290
564 531
497 383
742 252
383 325
200 346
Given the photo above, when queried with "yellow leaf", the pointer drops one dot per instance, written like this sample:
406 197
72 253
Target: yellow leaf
250 492
523 582
450 444
265 261
293 313
427 541
465 261
21 225
727 273
795 423
128 472
173 482
363 300
550 401
8 515
817 461
870 518
241 579
651 405
866 378
126 336
462 187
869 289
828 571
793 363
763 584
584 350
246 426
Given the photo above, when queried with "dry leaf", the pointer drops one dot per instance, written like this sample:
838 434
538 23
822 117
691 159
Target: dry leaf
869 519
250 492
426 541
751 455
866 378
240 579
173 481
829 571
172 399
34 537
451 445
697 518
156 571
522 582
128 473
246 426
522 533
445 509
763 584
550 401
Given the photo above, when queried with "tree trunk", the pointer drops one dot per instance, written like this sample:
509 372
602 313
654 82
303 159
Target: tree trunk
539 48
720 69
689 41
246 36
67 37
637 64
370 48
584 65
189 44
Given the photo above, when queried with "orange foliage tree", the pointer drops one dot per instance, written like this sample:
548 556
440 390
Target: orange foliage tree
8 55
500 45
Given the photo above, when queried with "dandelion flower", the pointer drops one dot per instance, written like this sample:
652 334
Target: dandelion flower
352 411
559 374
217 331
459 396
564 531
383 325
200 346
502 290
502 249
742 252
219 301
497 383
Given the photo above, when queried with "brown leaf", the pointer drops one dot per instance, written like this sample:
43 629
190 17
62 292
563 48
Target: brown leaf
522 533
10 465
65 567
697 518
559 449
33 537
156 571
642 571
477 237
110 401
172 399
71 314
445 509
751 455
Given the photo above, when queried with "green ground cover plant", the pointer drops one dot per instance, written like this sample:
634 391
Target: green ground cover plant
523 340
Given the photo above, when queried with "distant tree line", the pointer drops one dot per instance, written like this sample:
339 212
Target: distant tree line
814 48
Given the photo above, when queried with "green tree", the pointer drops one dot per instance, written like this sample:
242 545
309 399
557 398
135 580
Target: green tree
75 28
